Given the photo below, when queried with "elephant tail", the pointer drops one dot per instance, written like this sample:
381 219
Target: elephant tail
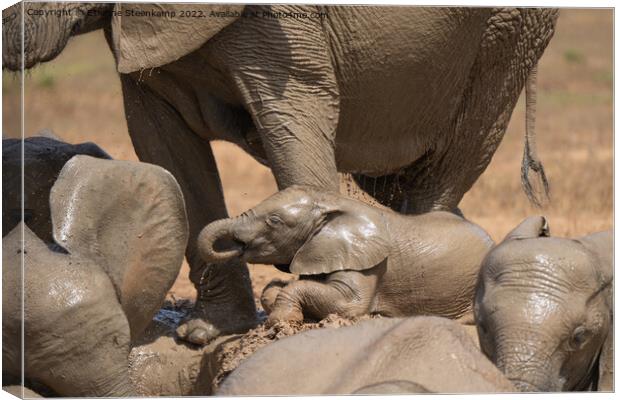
530 152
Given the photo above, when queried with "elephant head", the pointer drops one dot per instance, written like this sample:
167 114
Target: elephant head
138 42
543 307
120 233
302 230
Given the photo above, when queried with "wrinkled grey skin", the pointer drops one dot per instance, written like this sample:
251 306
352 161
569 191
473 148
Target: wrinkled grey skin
380 356
356 259
412 100
43 159
543 309
119 231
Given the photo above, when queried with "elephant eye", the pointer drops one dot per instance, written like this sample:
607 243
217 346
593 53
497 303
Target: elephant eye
579 337
274 220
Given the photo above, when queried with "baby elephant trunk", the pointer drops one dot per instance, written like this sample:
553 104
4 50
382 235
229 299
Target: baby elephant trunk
529 371
217 244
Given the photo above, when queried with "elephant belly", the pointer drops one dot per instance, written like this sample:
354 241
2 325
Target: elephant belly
401 83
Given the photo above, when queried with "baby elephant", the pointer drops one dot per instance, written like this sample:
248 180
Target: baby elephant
119 233
543 309
380 356
353 258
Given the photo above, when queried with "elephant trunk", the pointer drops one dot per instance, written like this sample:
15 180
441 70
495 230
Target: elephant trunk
42 38
47 28
533 377
219 232
528 365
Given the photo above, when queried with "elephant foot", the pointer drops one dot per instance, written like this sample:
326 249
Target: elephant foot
225 303
198 329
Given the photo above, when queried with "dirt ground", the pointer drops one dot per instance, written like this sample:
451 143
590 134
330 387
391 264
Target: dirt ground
78 96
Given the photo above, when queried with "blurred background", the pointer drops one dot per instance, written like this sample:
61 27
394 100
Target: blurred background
78 96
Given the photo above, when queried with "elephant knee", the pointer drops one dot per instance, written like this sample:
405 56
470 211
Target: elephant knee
270 294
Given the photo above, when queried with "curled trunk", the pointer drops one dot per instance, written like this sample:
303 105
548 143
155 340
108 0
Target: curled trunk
218 232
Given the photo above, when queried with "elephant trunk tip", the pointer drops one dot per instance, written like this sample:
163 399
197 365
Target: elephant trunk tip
215 233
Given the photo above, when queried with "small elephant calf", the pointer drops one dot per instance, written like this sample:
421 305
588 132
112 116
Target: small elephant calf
381 356
353 258
544 309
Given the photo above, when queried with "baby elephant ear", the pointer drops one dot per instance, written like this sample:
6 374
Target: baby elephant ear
531 227
349 240
129 218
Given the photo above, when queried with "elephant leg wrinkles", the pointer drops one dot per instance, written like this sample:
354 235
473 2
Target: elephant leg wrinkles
290 89
347 293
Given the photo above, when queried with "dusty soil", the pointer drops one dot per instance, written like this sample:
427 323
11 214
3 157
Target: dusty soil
78 96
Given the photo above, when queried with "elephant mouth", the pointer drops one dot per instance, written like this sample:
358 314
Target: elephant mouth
233 246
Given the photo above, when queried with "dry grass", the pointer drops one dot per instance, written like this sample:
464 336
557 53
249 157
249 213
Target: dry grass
78 96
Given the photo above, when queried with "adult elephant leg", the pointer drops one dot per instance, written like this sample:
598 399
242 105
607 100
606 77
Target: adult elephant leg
288 85
225 302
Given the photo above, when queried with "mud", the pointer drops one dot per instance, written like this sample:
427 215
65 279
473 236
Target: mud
161 365
232 353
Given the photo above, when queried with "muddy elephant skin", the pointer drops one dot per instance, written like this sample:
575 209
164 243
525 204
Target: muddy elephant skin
356 258
379 356
412 100
543 309
119 234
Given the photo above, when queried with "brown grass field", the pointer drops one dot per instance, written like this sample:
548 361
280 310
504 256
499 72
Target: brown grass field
78 96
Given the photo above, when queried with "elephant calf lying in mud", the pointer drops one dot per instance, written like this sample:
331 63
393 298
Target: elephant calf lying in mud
120 232
354 258
379 356
544 309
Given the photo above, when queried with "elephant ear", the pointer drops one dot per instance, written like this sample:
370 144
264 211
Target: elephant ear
349 238
129 218
529 228
149 35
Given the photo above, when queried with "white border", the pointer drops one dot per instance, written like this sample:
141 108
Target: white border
563 4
